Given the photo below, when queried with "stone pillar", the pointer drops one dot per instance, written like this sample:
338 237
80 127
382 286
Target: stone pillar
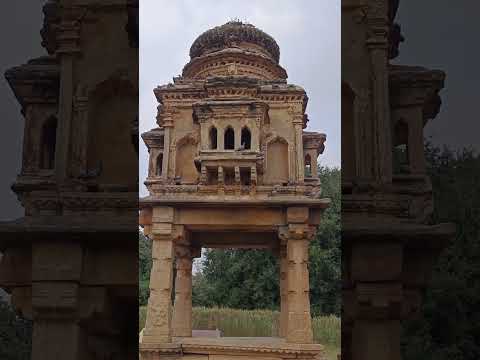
299 327
376 299
376 339
68 37
182 315
300 168
67 334
56 272
158 325
166 147
377 44
283 291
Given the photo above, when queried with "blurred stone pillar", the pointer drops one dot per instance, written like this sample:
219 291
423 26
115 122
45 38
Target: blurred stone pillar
182 314
158 325
299 323
283 291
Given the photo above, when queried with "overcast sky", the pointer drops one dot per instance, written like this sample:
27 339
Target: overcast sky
308 33
443 34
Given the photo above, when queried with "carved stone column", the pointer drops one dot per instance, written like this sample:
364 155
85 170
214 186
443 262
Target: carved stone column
166 147
158 325
68 37
80 125
283 291
300 168
377 44
182 315
299 327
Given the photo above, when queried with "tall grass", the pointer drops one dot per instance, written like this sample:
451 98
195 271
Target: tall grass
256 323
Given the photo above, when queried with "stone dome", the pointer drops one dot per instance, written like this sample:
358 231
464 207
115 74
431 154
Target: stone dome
235 33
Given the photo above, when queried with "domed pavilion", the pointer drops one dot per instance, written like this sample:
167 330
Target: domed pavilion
231 166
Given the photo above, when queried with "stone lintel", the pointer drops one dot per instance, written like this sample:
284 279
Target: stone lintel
163 214
297 215
374 261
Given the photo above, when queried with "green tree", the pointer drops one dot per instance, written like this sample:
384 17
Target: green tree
449 327
15 335
325 251
242 279
144 267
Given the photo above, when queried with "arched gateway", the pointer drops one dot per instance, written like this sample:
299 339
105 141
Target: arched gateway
233 84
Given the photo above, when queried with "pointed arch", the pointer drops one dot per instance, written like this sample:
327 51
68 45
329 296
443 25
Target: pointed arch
308 165
48 143
229 139
159 165
246 138
401 160
213 138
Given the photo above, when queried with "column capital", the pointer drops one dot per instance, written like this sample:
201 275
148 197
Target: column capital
168 232
296 232
184 257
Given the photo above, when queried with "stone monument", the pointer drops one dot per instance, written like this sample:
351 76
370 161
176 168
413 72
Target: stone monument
231 166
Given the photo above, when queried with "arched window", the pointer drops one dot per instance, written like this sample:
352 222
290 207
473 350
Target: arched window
400 148
48 142
308 166
229 139
213 138
246 140
159 168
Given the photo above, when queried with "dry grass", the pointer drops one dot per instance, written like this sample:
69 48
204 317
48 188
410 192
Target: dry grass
233 322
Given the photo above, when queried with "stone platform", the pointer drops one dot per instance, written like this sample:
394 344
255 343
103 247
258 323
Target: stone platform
231 348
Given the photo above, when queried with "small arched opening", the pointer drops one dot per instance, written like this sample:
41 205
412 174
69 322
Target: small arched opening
159 165
308 166
212 138
246 139
401 159
48 143
229 139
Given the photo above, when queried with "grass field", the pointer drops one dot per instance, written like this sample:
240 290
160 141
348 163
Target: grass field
232 322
